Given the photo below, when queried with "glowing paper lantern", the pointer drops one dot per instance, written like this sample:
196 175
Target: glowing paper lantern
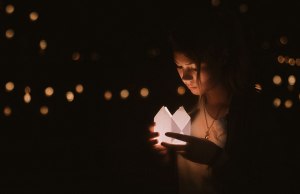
179 122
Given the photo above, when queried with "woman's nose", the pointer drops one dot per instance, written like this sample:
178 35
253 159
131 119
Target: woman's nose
187 75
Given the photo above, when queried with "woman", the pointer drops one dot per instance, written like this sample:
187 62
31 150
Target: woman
226 150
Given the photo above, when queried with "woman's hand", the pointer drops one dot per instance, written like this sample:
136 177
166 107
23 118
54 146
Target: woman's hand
198 150
158 148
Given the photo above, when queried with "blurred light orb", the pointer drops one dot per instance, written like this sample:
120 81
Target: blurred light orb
75 56
292 80
258 86
277 80
44 110
298 62
43 44
33 16
9 9
70 96
79 88
107 95
10 33
9 86
292 61
277 102
288 103
144 92
7 111
124 94
181 90
27 89
280 59
283 40
27 98
49 91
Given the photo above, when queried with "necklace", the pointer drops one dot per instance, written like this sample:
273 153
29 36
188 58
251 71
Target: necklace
207 126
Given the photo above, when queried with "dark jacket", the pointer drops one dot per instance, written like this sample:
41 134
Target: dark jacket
253 148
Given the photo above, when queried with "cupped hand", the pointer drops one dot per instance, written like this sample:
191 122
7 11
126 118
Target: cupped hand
199 150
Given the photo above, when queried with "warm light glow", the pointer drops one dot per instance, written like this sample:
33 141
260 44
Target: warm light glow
277 80
79 88
181 90
70 96
43 44
9 9
9 86
298 62
44 110
258 87
283 40
10 33
33 16
243 8
49 91
7 111
75 56
124 94
288 104
280 59
27 89
144 92
27 98
276 102
292 61
107 95
292 80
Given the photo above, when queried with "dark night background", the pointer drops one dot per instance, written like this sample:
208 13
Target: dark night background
85 145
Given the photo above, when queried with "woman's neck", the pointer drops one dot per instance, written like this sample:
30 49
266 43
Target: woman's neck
217 101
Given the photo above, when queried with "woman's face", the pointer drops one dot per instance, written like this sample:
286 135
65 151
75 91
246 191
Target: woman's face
188 72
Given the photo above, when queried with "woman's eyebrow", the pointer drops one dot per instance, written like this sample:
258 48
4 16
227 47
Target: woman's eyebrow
190 63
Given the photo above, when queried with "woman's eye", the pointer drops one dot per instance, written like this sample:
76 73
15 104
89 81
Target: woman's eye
179 67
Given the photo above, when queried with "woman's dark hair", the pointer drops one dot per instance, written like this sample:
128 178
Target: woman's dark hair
214 37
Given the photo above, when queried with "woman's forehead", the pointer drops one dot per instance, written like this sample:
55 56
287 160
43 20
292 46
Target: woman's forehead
181 58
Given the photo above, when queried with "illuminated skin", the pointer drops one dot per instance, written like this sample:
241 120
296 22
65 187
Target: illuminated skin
187 71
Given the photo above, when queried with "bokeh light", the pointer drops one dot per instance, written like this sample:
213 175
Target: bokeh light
291 80
10 33
277 80
7 111
277 102
181 90
43 44
27 98
70 96
124 94
44 110
283 40
288 103
49 91
79 88
144 92
75 56
33 16
9 9
9 86
107 95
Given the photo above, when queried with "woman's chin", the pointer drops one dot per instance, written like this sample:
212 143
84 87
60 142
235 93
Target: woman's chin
195 91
